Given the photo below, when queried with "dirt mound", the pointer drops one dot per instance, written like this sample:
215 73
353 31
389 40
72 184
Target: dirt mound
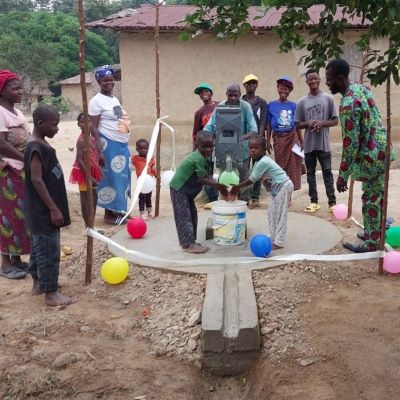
329 331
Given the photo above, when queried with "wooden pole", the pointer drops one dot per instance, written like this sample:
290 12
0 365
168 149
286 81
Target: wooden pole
158 107
351 186
89 243
387 173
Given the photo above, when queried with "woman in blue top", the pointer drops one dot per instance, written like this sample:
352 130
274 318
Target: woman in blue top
282 127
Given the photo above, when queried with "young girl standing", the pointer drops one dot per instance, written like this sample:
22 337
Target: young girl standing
139 162
265 167
78 171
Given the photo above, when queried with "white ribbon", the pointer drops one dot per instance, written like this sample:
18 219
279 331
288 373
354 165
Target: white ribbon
238 260
152 147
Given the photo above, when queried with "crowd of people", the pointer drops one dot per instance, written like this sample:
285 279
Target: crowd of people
277 126
33 199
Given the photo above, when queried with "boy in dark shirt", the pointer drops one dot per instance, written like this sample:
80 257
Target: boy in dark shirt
201 117
259 107
46 206
203 114
189 178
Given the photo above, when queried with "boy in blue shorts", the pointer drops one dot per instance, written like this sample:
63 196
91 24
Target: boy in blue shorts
46 207
281 188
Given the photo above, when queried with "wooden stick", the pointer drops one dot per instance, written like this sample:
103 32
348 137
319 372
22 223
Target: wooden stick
351 187
350 200
86 137
158 108
387 173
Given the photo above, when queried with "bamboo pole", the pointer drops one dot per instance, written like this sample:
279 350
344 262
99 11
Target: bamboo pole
158 108
387 173
86 137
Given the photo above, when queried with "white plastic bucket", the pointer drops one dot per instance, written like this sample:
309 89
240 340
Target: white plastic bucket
229 222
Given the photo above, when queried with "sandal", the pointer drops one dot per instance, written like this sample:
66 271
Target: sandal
23 266
330 208
196 248
116 220
254 204
144 216
312 208
12 272
67 250
361 235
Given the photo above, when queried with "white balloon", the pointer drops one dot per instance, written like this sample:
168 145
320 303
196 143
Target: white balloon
166 178
148 185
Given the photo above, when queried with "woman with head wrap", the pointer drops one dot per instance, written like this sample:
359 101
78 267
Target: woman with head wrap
282 127
110 127
14 132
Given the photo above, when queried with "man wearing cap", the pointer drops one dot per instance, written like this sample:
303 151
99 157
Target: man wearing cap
259 107
201 117
248 129
203 114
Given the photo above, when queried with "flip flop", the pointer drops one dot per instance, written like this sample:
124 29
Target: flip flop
23 266
312 208
115 220
197 249
67 250
63 256
12 272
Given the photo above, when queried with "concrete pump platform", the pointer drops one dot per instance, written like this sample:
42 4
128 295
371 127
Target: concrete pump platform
230 330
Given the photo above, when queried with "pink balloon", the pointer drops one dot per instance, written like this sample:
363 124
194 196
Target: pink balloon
340 211
391 262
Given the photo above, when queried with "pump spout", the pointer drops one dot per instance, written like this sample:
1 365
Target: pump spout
228 162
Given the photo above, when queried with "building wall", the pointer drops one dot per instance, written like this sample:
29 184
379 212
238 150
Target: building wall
72 93
183 65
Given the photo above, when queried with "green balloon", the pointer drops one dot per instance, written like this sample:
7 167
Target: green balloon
229 178
393 236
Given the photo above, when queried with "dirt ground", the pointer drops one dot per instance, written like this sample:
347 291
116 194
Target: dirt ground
330 330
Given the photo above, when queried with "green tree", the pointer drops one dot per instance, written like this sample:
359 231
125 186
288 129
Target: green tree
322 40
65 6
59 32
16 5
35 62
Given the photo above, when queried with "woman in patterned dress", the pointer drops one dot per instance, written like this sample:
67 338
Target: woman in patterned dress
14 132
282 127
110 128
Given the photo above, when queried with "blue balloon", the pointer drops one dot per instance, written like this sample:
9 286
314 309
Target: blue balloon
260 245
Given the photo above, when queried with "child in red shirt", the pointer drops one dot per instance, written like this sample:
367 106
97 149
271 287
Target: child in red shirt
139 162
78 171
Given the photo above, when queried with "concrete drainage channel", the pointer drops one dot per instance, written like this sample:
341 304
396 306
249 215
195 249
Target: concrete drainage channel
231 334
230 329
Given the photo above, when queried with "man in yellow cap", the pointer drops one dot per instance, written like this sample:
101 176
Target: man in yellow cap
259 107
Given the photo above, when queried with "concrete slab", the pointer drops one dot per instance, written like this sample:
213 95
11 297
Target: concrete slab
306 234
230 330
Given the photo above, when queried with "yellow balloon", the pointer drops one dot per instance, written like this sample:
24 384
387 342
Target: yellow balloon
114 270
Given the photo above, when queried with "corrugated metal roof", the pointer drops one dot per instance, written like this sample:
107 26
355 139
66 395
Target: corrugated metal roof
76 80
171 17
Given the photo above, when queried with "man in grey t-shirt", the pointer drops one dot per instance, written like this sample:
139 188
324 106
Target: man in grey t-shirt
316 114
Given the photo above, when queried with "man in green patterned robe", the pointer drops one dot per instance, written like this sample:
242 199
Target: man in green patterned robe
363 153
